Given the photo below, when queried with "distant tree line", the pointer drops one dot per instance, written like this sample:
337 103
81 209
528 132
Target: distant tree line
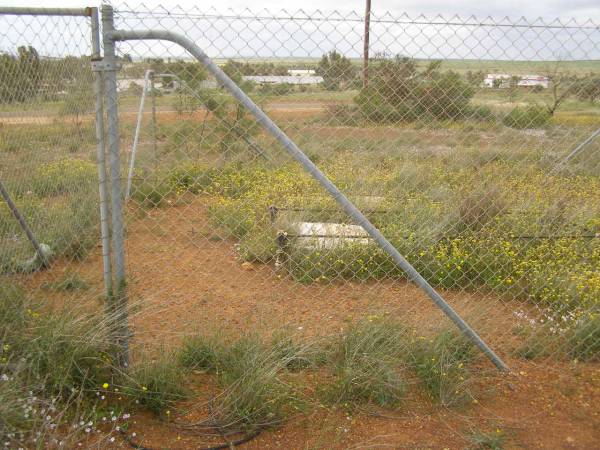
20 75
240 69
25 75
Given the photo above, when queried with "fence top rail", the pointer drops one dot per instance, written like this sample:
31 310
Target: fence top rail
381 17
34 11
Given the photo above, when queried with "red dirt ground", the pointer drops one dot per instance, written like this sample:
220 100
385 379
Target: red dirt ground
183 280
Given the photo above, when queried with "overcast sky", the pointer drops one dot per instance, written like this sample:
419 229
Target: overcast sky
291 36
580 9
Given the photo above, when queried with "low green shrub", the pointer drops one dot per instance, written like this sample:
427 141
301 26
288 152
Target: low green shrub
63 350
533 116
255 395
480 206
480 113
583 339
232 218
251 374
151 195
282 89
574 335
345 261
296 355
258 246
69 227
398 91
190 177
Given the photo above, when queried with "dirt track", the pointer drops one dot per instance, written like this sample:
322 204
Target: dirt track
162 112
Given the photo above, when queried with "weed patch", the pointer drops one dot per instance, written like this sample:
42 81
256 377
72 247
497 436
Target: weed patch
441 364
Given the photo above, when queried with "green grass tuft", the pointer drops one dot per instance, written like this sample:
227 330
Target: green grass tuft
441 365
367 366
200 353
71 282
255 393
155 384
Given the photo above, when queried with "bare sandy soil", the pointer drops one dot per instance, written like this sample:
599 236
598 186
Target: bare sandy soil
184 279
165 113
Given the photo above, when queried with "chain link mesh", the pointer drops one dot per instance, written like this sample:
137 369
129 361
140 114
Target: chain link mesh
471 144
456 146
48 145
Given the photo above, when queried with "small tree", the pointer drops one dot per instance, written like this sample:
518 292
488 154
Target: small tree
21 75
532 116
192 73
513 87
475 78
9 87
398 91
234 70
77 102
589 90
561 87
30 71
336 70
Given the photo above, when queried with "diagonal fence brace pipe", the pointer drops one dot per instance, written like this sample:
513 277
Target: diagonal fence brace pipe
310 167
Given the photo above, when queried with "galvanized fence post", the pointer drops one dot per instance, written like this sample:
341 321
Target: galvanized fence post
104 215
119 290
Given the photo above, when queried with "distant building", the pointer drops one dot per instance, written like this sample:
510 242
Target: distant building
534 80
301 72
503 80
497 80
280 79
125 84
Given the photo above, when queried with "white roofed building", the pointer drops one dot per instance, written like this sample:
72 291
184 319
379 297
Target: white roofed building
497 80
280 79
534 80
301 72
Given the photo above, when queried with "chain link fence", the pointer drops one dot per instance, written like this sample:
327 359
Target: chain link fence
49 152
465 151
460 140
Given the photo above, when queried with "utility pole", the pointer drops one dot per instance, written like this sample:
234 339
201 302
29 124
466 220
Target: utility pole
366 47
